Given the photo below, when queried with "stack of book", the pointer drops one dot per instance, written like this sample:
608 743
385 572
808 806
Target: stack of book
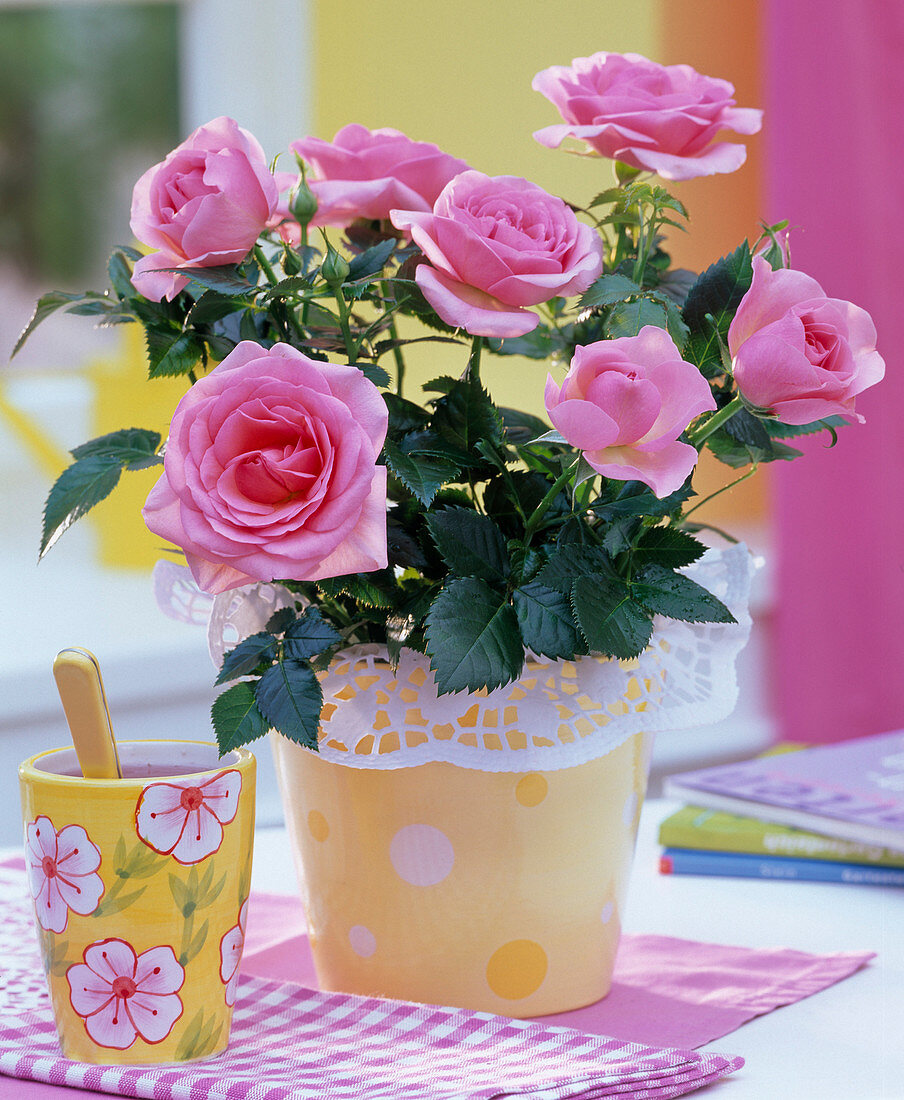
828 814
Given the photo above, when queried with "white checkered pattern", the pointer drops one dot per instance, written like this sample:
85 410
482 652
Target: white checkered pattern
292 1043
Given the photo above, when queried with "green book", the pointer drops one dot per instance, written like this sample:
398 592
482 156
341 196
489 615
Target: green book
717 831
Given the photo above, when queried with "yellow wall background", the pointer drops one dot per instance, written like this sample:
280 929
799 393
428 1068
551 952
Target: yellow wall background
459 74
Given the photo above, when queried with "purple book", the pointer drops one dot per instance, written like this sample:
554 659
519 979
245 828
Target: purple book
853 789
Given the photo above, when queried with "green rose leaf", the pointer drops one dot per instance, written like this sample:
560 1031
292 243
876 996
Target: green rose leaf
370 262
119 268
570 562
635 499
471 544
280 620
290 698
539 344
368 589
546 621
676 283
733 453
47 304
746 428
522 427
133 448
667 546
527 488
422 475
79 487
465 415
777 430
628 318
719 290
236 717
223 279
620 534
609 289
664 592
374 373
309 635
472 637
247 656
169 354
404 416
213 306
610 620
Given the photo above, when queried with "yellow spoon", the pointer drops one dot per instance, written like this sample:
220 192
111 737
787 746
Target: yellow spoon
81 689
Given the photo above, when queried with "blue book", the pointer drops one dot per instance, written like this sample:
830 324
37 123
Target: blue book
688 861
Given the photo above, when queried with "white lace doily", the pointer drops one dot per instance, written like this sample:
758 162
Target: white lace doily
557 715
177 594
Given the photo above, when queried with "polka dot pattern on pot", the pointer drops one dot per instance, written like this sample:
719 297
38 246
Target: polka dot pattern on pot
421 855
445 885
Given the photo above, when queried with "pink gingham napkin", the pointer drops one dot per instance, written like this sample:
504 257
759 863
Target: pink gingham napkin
289 1042
666 991
292 1043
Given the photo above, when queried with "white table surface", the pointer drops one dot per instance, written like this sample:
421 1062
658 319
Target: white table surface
845 1043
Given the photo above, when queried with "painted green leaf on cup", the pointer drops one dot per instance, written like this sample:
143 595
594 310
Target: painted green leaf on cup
200 1037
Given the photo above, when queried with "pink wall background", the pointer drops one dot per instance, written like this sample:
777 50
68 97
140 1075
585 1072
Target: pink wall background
835 154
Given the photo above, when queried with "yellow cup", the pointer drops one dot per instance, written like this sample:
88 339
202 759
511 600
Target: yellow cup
140 888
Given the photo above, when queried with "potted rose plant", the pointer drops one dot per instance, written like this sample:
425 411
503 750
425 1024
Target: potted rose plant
446 558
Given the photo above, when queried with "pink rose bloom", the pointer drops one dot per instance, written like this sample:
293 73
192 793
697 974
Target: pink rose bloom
270 471
797 353
121 995
662 118
204 206
624 403
231 946
497 245
367 173
186 821
62 872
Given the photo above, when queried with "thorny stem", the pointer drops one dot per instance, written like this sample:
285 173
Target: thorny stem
265 265
538 513
396 350
473 368
724 489
350 348
715 422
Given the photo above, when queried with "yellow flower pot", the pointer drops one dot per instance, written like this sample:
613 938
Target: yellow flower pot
495 891
140 887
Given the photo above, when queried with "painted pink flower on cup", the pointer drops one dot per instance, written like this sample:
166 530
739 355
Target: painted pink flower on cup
495 246
231 946
270 471
185 820
797 353
62 872
624 403
203 206
662 118
365 173
123 996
